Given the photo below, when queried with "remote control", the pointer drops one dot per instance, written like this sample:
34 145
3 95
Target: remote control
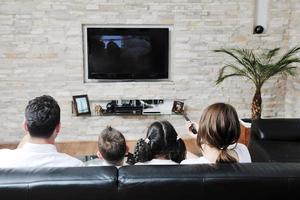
193 129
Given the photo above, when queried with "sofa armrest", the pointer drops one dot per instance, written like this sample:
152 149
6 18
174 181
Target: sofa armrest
286 129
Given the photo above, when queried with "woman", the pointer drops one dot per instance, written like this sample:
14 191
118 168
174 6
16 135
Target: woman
161 146
218 133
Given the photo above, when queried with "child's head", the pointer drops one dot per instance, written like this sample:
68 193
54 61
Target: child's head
161 142
219 127
112 146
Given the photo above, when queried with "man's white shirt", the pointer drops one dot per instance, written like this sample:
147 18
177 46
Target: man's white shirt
36 155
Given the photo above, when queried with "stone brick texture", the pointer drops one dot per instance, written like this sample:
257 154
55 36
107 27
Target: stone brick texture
41 52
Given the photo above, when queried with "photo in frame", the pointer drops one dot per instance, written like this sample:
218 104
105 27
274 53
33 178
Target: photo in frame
81 105
178 107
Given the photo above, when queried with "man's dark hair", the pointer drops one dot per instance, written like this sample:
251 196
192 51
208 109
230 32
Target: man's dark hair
112 145
42 116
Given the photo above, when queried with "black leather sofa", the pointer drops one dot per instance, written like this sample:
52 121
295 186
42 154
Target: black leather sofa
58 183
275 140
223 181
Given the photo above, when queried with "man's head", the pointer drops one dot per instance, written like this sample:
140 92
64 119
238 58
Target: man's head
112 146
42 117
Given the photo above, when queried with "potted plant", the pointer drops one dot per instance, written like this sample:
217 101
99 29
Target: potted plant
258 68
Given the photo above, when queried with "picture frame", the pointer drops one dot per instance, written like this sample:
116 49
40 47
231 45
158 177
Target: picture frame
178 107
81 105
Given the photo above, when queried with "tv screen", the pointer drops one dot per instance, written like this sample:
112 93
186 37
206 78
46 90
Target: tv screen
127 53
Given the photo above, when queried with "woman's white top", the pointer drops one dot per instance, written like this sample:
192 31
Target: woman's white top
240 149
157 162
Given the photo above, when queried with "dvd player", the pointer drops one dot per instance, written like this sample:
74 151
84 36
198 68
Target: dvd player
136 110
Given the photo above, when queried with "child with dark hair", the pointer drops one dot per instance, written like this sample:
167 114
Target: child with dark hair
218 133
112 148
161 146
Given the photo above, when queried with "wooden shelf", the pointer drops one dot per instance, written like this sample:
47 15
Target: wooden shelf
160 107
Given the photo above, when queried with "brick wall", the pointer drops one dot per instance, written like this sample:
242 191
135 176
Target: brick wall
41 53
292 102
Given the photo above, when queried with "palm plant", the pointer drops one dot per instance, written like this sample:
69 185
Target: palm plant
258 68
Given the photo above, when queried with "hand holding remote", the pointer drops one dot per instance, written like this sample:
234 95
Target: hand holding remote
191 126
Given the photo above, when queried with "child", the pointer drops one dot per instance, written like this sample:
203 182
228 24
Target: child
161 146
112 148
219 131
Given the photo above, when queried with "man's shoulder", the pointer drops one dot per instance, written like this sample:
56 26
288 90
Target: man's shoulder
9 157
7 151
22 158
69 159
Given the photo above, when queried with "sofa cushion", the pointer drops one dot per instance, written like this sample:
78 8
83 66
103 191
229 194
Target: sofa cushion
59 183
277 129
235 181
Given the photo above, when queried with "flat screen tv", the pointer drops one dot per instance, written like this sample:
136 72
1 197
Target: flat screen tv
126 53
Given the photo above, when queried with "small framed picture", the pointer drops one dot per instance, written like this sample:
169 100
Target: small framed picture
178 107
81 105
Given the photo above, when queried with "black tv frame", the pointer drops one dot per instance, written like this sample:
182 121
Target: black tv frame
86 79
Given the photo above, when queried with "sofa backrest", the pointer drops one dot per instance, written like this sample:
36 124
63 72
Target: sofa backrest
287 129
59 183
223 181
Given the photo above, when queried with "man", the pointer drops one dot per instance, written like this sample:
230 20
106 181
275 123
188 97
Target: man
112 149
41 126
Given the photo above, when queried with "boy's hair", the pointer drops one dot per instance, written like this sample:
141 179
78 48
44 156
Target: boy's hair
112 145
42 115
